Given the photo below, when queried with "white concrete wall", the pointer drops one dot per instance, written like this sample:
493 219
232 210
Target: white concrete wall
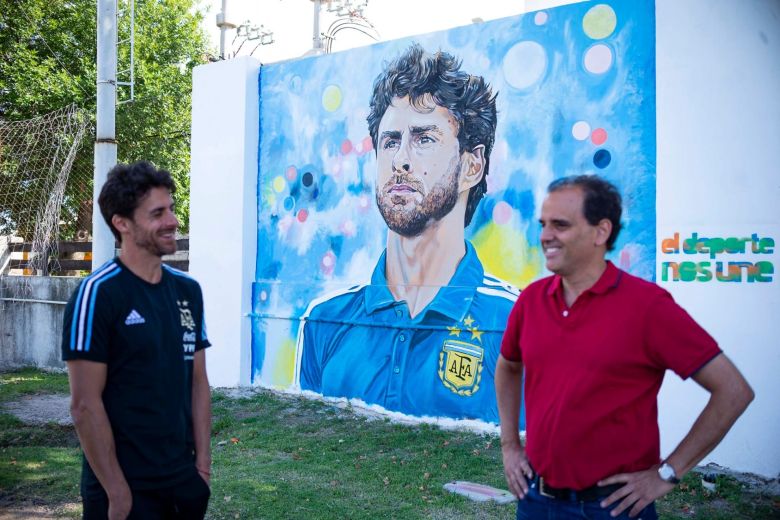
718 124
718 78
223 209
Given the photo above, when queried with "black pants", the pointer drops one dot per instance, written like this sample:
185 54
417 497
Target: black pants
185 501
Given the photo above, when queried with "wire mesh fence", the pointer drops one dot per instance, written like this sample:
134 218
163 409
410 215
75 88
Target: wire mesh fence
36 160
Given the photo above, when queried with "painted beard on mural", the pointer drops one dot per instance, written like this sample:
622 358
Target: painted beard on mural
407 215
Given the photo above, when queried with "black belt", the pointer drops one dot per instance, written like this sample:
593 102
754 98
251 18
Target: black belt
590 494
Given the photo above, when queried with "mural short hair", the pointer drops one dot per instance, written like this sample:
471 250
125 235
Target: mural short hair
126 185
602 201
421 75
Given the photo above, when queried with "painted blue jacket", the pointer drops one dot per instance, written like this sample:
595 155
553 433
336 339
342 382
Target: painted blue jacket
361 343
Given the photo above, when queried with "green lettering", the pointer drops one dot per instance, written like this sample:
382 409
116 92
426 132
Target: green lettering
688 271
765 270
765 246
675 268
717 245
690 245
704 273
727 275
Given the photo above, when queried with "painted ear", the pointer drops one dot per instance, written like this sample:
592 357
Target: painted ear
603 230
473 168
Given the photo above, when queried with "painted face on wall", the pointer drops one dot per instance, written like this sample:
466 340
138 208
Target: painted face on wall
153 226
569 241
418 165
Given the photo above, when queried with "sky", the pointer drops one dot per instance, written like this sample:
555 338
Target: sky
292 21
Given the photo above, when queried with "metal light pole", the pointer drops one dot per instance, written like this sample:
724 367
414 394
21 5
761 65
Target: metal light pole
105 135
318 48
224 23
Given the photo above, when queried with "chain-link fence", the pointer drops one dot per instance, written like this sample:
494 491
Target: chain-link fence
39 198
46 189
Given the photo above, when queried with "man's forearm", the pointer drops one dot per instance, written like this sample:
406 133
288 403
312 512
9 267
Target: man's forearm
201 415
508 381
201 419
730 395
97 442
725 405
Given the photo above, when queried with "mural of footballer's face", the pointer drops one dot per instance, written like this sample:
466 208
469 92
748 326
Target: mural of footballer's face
418 166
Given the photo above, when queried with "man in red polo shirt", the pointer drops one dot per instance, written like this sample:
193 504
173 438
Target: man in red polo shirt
594 343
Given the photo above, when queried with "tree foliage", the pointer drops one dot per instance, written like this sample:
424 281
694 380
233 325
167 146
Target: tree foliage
48 61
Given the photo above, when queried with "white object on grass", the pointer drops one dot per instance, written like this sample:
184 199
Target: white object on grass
479 492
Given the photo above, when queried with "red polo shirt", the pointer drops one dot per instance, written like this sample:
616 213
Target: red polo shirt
593 371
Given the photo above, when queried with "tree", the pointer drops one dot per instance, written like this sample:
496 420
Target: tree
47 61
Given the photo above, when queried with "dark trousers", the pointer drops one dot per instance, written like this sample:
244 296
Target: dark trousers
184 501
538 507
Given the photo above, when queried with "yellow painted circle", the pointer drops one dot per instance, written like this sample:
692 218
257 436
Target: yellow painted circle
331 98
599 22
279 184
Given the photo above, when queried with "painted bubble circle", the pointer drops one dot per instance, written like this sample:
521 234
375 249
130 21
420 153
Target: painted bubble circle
602 158
307 179
502 213
580 130
346 146
328 263
348 228
289 203
540 18
291 173
599 22
599 136
331 98
302 215
367 144
328 260
279 184
524 64
598 59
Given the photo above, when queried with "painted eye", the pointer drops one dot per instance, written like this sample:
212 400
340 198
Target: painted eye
390 143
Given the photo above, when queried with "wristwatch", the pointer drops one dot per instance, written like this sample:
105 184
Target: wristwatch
666 472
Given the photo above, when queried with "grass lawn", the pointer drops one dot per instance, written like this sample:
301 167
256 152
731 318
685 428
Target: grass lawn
279 456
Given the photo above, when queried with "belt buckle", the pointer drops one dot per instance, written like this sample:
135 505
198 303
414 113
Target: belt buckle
542 491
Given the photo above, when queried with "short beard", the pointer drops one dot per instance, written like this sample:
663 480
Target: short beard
148 243
412 219
153 248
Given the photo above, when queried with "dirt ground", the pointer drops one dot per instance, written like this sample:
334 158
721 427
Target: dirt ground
28 512
41 409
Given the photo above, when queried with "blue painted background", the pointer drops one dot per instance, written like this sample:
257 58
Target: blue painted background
573 97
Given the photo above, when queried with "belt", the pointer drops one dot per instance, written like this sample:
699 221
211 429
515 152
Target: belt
590 494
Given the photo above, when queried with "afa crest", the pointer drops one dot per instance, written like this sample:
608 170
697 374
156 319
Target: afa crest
185 315
460 366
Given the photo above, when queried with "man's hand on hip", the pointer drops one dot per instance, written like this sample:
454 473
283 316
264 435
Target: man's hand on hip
517 469
639 490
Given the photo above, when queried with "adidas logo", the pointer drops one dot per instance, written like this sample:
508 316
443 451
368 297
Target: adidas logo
134 318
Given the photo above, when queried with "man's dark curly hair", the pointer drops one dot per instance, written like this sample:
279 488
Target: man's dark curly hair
126 185
602 201
438 77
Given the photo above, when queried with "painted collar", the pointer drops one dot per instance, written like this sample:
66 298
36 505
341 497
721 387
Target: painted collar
452 300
